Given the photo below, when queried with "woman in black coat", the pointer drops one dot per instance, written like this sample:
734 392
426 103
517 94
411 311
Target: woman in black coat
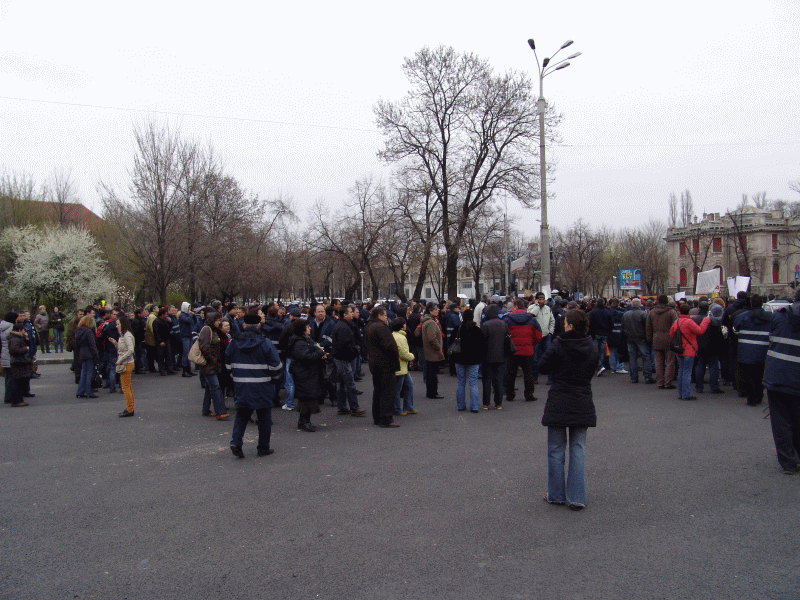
572 359
86 349
468 361
305 371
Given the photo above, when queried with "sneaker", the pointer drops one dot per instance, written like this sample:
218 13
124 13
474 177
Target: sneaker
286 407
621 372
358 413
343 412
412 412
405 412
600 371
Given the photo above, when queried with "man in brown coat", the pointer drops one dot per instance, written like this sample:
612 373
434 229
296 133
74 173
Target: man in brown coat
384 361
432 345
659 322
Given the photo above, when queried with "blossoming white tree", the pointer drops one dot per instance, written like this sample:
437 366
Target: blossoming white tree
64 265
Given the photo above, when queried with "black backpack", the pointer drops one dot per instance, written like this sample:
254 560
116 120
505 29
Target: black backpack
676 343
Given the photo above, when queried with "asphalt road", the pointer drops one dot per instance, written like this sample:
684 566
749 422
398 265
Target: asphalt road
686 500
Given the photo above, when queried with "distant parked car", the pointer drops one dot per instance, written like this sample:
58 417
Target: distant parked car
776 305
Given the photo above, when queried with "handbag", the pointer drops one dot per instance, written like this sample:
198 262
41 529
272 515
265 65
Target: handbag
455 347
195 355
96 382
509 348
121 368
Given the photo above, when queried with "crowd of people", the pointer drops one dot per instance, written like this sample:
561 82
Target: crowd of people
316 353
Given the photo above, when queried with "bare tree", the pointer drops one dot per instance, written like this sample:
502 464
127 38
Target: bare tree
468 132
62 191
151 220
355 230
578 253
486 229
673 209
687 208
644 247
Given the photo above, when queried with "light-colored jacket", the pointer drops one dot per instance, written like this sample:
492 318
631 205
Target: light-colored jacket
545 317
402 349
125 346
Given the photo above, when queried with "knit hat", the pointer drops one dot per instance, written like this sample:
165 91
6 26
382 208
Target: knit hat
252 319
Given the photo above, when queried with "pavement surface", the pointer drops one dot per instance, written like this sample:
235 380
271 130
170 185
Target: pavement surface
686 500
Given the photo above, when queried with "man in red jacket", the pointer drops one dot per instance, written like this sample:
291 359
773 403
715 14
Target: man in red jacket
525 333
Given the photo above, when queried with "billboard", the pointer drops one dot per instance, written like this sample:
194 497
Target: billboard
630 279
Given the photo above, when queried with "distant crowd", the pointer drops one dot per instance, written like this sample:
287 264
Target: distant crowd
269 356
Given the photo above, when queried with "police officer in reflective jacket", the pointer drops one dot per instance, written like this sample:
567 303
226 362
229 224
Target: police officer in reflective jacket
255 367
782 380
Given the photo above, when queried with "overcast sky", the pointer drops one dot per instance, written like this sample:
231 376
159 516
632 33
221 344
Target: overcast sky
701 95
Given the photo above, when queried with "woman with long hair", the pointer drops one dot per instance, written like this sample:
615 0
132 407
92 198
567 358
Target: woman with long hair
572 359
209 341
86 349
468 361
125 347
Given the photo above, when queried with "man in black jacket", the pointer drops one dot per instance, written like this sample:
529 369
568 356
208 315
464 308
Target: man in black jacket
345 350
384 362
162 329
138 327
634 325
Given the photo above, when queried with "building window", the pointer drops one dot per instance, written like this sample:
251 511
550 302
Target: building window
696 245
776 272
717 245
774 241
683 249
466 285
684 278
428 293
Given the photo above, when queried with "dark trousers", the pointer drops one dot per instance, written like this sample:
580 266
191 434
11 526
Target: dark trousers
166 360
784 414
515 362
152 353
493 374
241 420
430 373
751 380
384 391
76 366
44 340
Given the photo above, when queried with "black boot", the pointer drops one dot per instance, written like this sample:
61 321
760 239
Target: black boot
186 372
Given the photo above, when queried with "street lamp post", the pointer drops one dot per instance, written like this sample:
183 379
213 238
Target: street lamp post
362 283
545 69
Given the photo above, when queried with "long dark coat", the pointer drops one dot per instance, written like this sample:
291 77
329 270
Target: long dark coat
304 368
572 358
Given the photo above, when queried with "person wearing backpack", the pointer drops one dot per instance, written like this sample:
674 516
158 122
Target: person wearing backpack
688 330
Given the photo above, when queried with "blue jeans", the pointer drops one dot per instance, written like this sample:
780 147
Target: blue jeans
288 385
58 340
111 373
139 358
405 389
493 376
187 345
700 363
600 341
538 350
241 420
345 385
635 350
685 366
556 457
465 372
213 393
85 384
613 359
